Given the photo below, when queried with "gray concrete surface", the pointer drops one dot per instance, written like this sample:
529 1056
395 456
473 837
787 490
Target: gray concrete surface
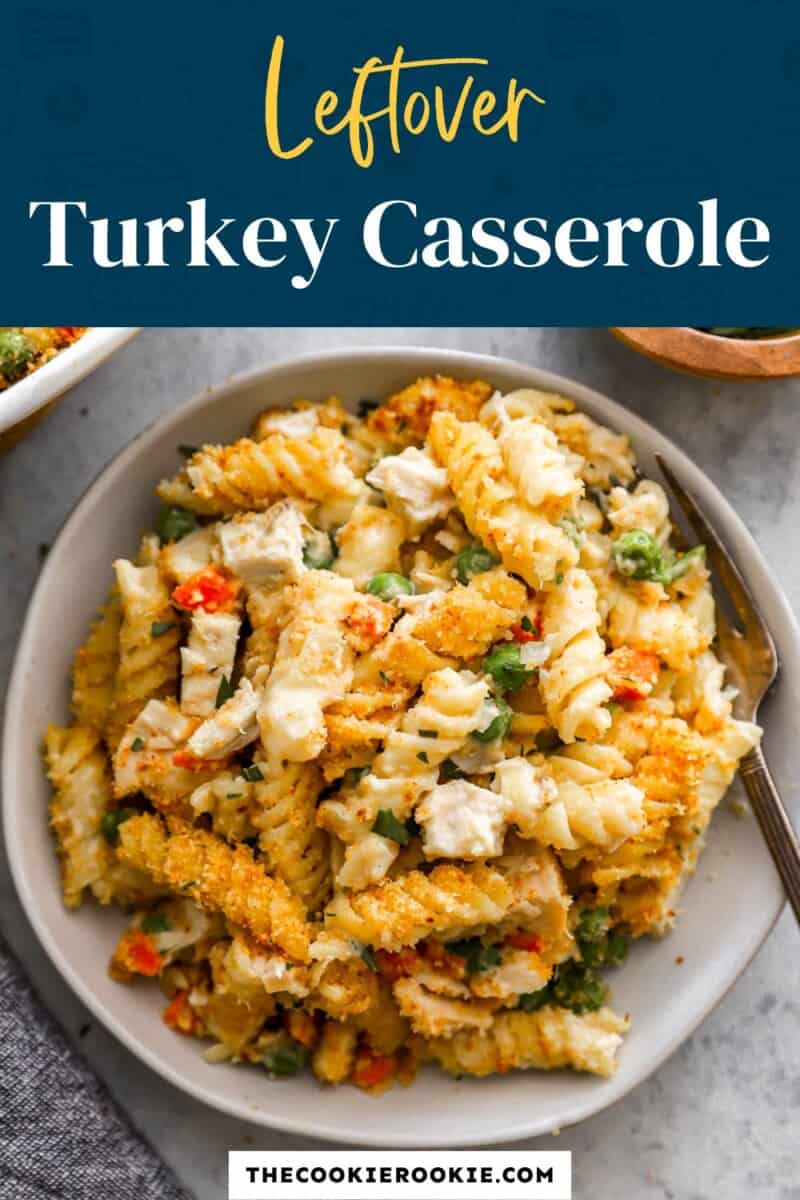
722 1117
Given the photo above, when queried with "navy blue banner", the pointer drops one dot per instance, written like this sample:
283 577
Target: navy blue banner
421 163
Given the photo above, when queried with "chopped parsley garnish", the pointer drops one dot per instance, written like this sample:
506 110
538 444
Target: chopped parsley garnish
423 756
527 624
451 770
366 953
253 773
175 523
136 745
189 883
224 692
385 680
499 725
473 560
285 1060
233 795
547 739
559 578
387 825
506 668
109 825
429 733
477 957
365 407
530 1001
413 827
159 628
570 527
353 774
156 922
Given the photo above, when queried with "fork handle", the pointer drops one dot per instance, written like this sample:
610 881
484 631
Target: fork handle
775 824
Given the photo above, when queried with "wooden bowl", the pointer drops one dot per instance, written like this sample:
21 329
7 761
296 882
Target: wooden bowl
699 353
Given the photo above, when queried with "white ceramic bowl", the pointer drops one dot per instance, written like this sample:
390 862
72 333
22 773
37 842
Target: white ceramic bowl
69 367
730 905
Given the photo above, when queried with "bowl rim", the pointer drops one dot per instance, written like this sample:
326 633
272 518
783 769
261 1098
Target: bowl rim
68 367
425 358
699 352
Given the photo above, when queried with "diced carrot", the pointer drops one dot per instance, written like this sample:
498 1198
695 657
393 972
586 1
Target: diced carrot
528 635
137 953
301 1026
370 1070
185 758
207 590
396 963
632 673
178 1013
525 941
68 333
370 620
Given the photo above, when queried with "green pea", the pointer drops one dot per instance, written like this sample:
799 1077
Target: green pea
286 1060
389 585
499 725
16 351
477 957
319 551
637 555
592 924
506 668
578 988
473 560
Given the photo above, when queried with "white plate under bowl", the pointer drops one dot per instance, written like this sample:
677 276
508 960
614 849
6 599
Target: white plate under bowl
730 905
70 366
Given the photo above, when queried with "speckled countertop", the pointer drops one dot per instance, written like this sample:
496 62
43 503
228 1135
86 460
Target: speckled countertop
722 1117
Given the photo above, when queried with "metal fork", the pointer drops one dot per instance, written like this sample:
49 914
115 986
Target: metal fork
748 651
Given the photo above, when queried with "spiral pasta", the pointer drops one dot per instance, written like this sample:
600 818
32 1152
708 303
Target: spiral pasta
451 707
400 912
284 811
252 475
95 668
218 878
569 815
546 1040
148 644
573 686
519 534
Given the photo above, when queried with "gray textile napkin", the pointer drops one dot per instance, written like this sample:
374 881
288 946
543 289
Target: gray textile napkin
62 1137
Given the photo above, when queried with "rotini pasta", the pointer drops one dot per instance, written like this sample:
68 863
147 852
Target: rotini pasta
521 536
573 685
